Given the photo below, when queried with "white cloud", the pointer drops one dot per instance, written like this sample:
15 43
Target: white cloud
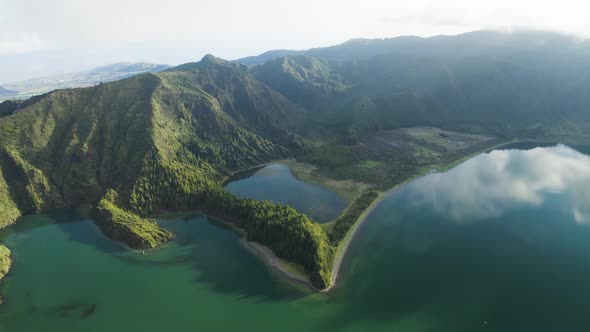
493 183
21 43
236 28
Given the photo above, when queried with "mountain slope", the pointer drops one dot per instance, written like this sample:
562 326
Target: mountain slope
505 84
153 142
88 140
303 79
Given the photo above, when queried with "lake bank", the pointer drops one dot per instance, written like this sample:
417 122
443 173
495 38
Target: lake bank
346 188
345 243
290 271
287 269
343 246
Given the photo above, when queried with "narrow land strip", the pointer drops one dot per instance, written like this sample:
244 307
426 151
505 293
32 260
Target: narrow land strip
295 273
345 243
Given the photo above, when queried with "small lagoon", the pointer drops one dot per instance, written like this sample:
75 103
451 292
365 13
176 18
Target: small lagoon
276 183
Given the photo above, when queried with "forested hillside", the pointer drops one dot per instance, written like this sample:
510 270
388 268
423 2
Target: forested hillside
525 83
154 142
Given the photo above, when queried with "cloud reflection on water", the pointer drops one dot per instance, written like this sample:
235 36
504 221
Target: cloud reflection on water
492 183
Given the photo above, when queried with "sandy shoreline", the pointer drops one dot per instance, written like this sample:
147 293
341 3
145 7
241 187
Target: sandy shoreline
344 245
269 257
278 264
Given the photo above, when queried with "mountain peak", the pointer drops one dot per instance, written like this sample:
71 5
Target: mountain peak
210 58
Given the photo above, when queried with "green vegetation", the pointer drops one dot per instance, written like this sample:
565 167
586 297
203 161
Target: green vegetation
28 183
5 261
302 79
127 227
345 222
386 158
9 211
347 189
369 163
290 234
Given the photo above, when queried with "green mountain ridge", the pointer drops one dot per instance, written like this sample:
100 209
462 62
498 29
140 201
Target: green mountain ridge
519 45
154 141
302 79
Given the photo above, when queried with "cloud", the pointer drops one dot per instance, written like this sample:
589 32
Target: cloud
184 30
493 183
21 43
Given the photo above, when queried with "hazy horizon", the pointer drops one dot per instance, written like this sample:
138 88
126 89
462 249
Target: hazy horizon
39 39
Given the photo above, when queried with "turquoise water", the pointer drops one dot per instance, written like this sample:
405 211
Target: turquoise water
500 243
276 183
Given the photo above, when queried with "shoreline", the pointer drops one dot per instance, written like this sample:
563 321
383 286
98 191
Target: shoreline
269 257
237 174
344 245
285 269
348 190
278 264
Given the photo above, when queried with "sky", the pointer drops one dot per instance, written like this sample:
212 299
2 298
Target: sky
41 37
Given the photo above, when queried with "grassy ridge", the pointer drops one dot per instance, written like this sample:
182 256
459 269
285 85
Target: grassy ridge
127 227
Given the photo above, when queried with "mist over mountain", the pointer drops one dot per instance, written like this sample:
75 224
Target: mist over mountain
495 44
103 74
4 92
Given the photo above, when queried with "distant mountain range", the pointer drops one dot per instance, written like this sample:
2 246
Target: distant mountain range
519 46
109 73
